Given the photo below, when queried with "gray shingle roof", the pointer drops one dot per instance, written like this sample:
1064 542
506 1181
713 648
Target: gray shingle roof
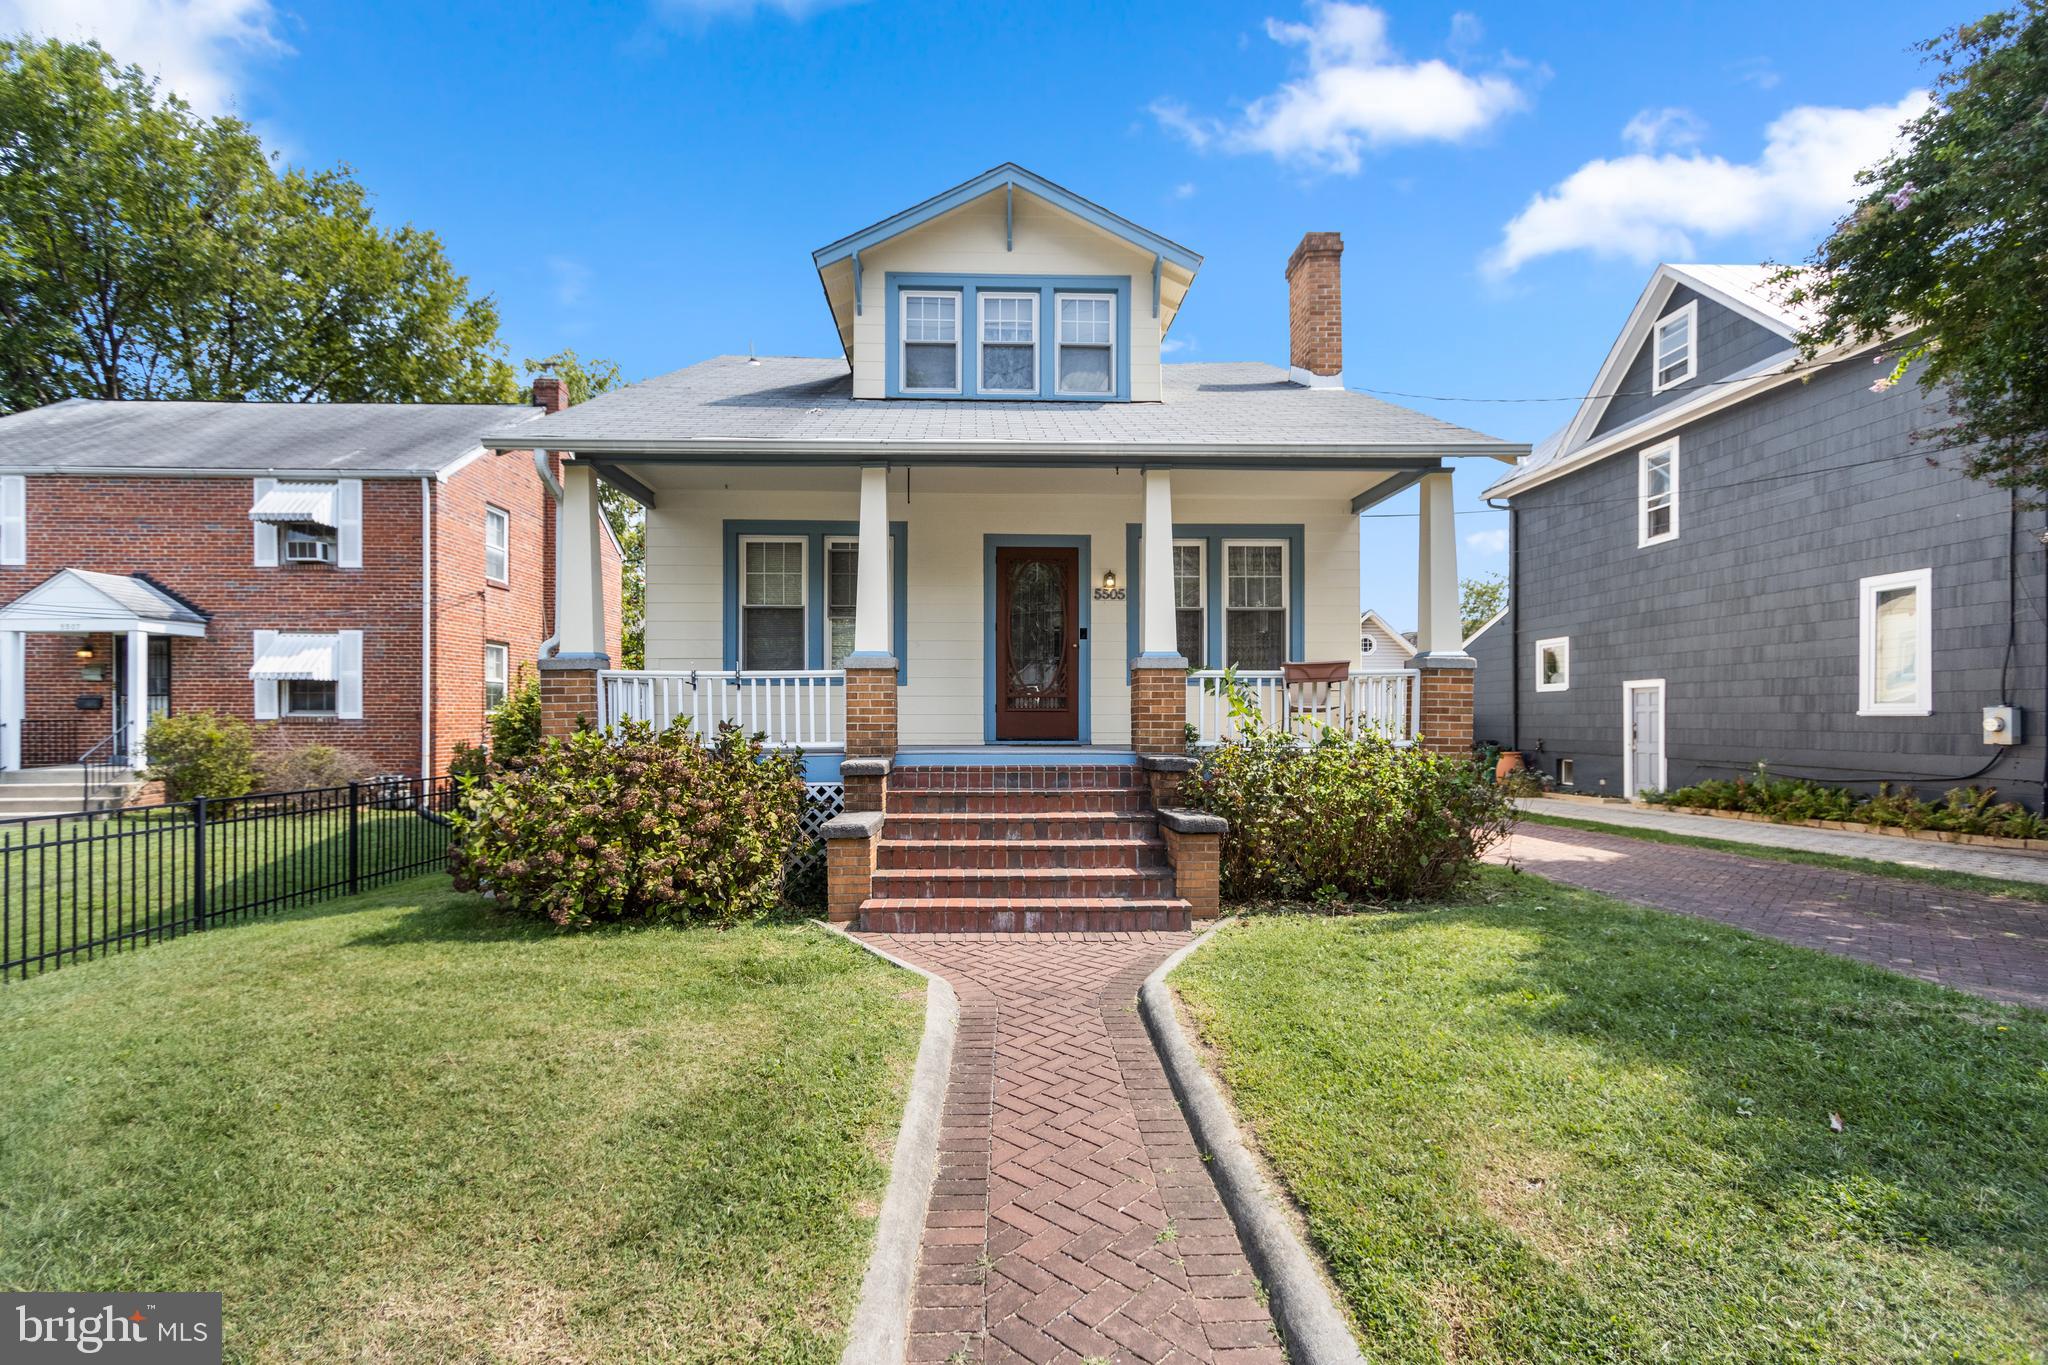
145 599
789 403
81 435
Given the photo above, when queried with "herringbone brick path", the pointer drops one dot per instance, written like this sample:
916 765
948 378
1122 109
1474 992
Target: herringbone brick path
1993 948
1072 1218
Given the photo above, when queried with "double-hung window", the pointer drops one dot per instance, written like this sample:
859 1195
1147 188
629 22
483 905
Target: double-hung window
1085 359
497 670
1895 644
1190 603
1009 343
931 342
1255 604
842 585
773 581
1657 494
1675 343
497 545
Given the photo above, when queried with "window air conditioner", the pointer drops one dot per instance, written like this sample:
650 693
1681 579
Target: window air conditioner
300 548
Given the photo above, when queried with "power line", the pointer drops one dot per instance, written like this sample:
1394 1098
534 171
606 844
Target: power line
1813 368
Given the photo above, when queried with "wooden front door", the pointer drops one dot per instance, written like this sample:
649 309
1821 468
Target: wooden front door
1038 643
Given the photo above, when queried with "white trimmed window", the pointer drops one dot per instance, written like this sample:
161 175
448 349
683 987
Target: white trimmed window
303 674
931 342
1657 494
497 672
1085 359
306 697
13 519
842 590
1190 602
1009 343
497 544
1554 664
1895 644
1255 603
772 602
1675 348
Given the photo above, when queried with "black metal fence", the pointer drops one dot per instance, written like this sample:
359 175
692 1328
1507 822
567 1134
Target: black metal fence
81 886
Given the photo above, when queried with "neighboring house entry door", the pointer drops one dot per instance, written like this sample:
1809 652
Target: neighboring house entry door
1642 767
1038 643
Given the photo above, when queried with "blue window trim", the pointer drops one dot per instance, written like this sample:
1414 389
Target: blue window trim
816 533
1213 534
990 543
1048 288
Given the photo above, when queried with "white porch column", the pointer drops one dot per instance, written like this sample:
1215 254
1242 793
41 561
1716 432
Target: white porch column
13 698
873 631
579 579
1436 571
138 698
1156 634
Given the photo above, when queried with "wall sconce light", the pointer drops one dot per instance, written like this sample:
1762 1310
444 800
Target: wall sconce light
1109 580
84 650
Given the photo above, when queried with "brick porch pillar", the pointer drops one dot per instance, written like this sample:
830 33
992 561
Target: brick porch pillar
850 843
1444 711
568 693
1159 705
870 706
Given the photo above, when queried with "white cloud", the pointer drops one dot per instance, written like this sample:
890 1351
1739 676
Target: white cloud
1175 345
1654 129
1756 71
1488 542
1357 94
198 47
1650 206
705 11
1184 190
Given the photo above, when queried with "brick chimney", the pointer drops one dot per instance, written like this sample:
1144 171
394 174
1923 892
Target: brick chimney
1315 311
550 393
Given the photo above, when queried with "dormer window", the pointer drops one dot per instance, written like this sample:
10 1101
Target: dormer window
931 342
1009 343
1676 357
1086 360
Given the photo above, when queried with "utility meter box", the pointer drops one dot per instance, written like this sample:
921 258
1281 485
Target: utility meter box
2001 725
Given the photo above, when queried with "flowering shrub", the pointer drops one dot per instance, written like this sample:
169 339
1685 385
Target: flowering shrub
636 826
1341 818
1964 810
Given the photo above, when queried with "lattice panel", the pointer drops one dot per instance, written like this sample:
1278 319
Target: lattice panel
807 857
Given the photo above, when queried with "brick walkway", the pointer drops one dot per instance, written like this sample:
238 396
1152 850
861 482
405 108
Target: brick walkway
1072 1218
1996 949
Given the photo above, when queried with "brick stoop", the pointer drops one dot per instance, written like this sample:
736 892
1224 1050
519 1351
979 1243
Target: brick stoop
1028 849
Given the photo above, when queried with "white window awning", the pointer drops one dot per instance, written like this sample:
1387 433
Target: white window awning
298 658
297 504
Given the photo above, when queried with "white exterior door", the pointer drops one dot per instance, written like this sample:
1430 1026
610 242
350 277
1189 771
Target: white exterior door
1642 736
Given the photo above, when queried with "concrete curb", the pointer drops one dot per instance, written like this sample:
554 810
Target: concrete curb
1310 1323
880 1331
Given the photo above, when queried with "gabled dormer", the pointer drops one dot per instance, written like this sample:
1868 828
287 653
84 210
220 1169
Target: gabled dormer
1006 288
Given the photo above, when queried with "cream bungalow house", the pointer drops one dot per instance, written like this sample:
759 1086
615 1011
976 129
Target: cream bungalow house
930 561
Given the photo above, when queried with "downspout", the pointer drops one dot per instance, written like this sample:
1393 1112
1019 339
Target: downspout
1514 631
426 627
554 488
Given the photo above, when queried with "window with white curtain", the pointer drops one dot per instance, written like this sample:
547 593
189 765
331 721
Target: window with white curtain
931 342
1009 343
1896 644
1190 603
1086 347
772 603
1255 604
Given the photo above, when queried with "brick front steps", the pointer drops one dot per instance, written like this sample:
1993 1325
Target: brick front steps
1038 849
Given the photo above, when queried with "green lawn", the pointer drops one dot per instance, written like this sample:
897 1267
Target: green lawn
1934 876
1545 1126
405 1128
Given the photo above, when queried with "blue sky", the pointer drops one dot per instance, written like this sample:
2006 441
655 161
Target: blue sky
644 179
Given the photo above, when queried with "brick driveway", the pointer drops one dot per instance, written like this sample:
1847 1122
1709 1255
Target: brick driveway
1993 948
1072 1218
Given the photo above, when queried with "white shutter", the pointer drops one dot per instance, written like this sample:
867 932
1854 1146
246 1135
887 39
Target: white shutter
266 688
266 533
348 511
13 519
348 694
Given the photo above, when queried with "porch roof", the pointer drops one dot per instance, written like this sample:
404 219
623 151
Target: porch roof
85 602
799 410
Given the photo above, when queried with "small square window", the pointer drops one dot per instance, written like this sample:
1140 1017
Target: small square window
1553 665
301 697
497 545
1564 772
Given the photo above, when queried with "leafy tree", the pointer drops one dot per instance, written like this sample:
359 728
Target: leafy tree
147 252
583 380
1948 244
1479 601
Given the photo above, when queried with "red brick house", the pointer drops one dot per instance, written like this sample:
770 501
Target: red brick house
362 575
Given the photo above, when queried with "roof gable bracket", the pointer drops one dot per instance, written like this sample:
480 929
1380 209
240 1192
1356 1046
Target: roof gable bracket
1009 217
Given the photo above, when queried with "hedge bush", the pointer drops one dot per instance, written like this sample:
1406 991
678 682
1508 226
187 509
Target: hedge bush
634 827
515 725
1336 817
312 766
1963 810
202 753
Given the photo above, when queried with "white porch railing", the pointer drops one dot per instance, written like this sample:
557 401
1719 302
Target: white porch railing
1383 701
799 709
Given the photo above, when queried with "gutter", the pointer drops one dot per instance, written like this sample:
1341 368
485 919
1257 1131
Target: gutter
1026 454
554 490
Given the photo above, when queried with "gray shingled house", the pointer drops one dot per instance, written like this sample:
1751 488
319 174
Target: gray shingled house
1731 555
